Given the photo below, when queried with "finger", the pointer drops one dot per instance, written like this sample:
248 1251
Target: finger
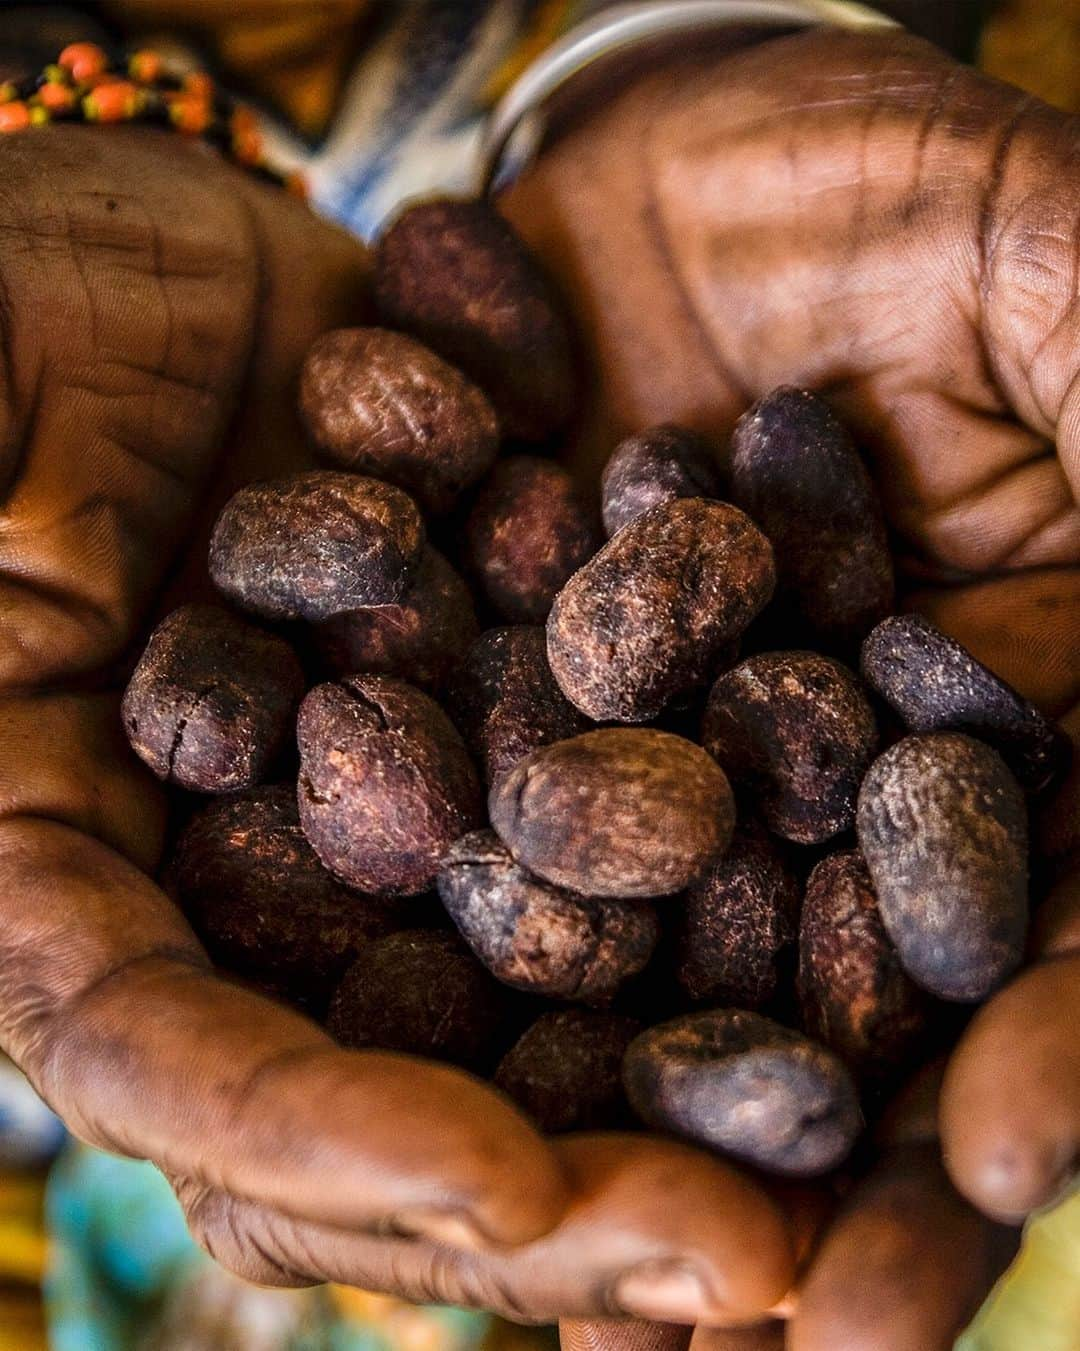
653 1229
1056 930
610 1335
770 1336
111 1008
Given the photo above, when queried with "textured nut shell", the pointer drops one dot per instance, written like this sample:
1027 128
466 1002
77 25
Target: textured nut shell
211 701
313 545
616 812
539 937
658 465
943 828
795 731
386 785
383 404
456 275
652 614
743 1084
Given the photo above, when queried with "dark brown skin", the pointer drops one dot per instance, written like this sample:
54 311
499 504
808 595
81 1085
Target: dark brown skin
382 404
505 701
420 638
458 277
423 992
262 903
565 1071
936 685
539 937
795 469
212 700
745 1085
309 546
943 828
528 532
650 617
796 733
658 465
854 994
386 785
739 924
617 812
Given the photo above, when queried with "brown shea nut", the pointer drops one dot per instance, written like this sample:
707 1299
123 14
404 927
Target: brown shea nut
943 828
936 685
456 275
386 785
795 731
650 617
566 1070
505 701
261 902
658 465
739 924
745 1085
529 530
423 992
854 994
622 811
539 937
308 546
211 701
380 403
420 638
796 471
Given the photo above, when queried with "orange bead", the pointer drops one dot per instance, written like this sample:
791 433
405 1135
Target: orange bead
189 113
200 84
297 185
84 60
14 116
145 66
116 101
57 98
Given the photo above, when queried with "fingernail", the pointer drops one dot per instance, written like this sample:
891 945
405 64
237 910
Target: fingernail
665 1292
440 1226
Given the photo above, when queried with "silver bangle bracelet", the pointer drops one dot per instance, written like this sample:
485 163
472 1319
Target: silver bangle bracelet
515 128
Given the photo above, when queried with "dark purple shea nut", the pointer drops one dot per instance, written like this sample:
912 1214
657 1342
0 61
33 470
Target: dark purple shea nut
211 702
658 465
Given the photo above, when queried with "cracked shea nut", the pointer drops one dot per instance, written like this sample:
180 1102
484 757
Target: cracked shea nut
528 532
795 731
457 276
651 616
747 1086
565 1071
658 465
505 699
380 403
795 469
943 827
622 811
539 937
313 545
936 685
386 784
211 701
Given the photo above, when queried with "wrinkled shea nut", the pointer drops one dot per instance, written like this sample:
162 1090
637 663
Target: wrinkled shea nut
650 616
456 275
796 732
566 1070
539 937
529 530
386 785
382 404
739 924
795 470
262 903
943 828
936 685
211 702
745 1085
423 992
505 700
617 812
854 994
313 545
659 465
420 638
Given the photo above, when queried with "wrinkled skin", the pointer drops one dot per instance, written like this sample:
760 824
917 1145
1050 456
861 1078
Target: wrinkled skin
759 219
